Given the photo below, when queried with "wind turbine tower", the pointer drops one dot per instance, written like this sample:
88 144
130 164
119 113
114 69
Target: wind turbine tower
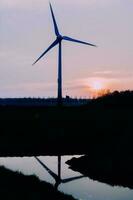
58 42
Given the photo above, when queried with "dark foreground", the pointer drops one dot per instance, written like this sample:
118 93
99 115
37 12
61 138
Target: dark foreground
14 185
110 169
110 150
105 124
102 129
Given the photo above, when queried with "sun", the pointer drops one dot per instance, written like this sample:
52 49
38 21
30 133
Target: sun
96 85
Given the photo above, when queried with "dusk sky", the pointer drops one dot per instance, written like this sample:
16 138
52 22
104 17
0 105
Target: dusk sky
26 30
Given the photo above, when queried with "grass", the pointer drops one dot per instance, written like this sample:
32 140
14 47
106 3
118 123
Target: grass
14 185
103 123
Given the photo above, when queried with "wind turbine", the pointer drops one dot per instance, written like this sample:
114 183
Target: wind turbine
57 177
58 42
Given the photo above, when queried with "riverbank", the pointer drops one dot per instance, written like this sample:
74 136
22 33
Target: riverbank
110 169
101 125
14 185
25 137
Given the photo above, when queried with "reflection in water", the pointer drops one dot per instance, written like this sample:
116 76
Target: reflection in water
57 178
85 188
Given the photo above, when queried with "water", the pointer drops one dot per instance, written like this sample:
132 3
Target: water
83 188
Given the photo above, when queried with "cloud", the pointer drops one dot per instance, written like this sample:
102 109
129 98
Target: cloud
33 86
112 74
18 3
28 89
42 3
23 4
103 72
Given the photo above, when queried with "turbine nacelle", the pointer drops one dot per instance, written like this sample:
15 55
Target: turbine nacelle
59 38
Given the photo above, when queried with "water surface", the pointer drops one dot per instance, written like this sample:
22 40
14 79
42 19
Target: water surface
84 188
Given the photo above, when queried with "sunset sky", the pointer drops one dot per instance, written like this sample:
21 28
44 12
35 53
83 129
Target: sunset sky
26 30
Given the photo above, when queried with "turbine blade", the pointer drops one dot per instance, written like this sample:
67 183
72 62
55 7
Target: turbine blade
50 47
72 179
78 41
46 168
54 21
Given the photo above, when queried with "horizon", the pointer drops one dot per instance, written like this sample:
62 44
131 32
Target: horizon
86 71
